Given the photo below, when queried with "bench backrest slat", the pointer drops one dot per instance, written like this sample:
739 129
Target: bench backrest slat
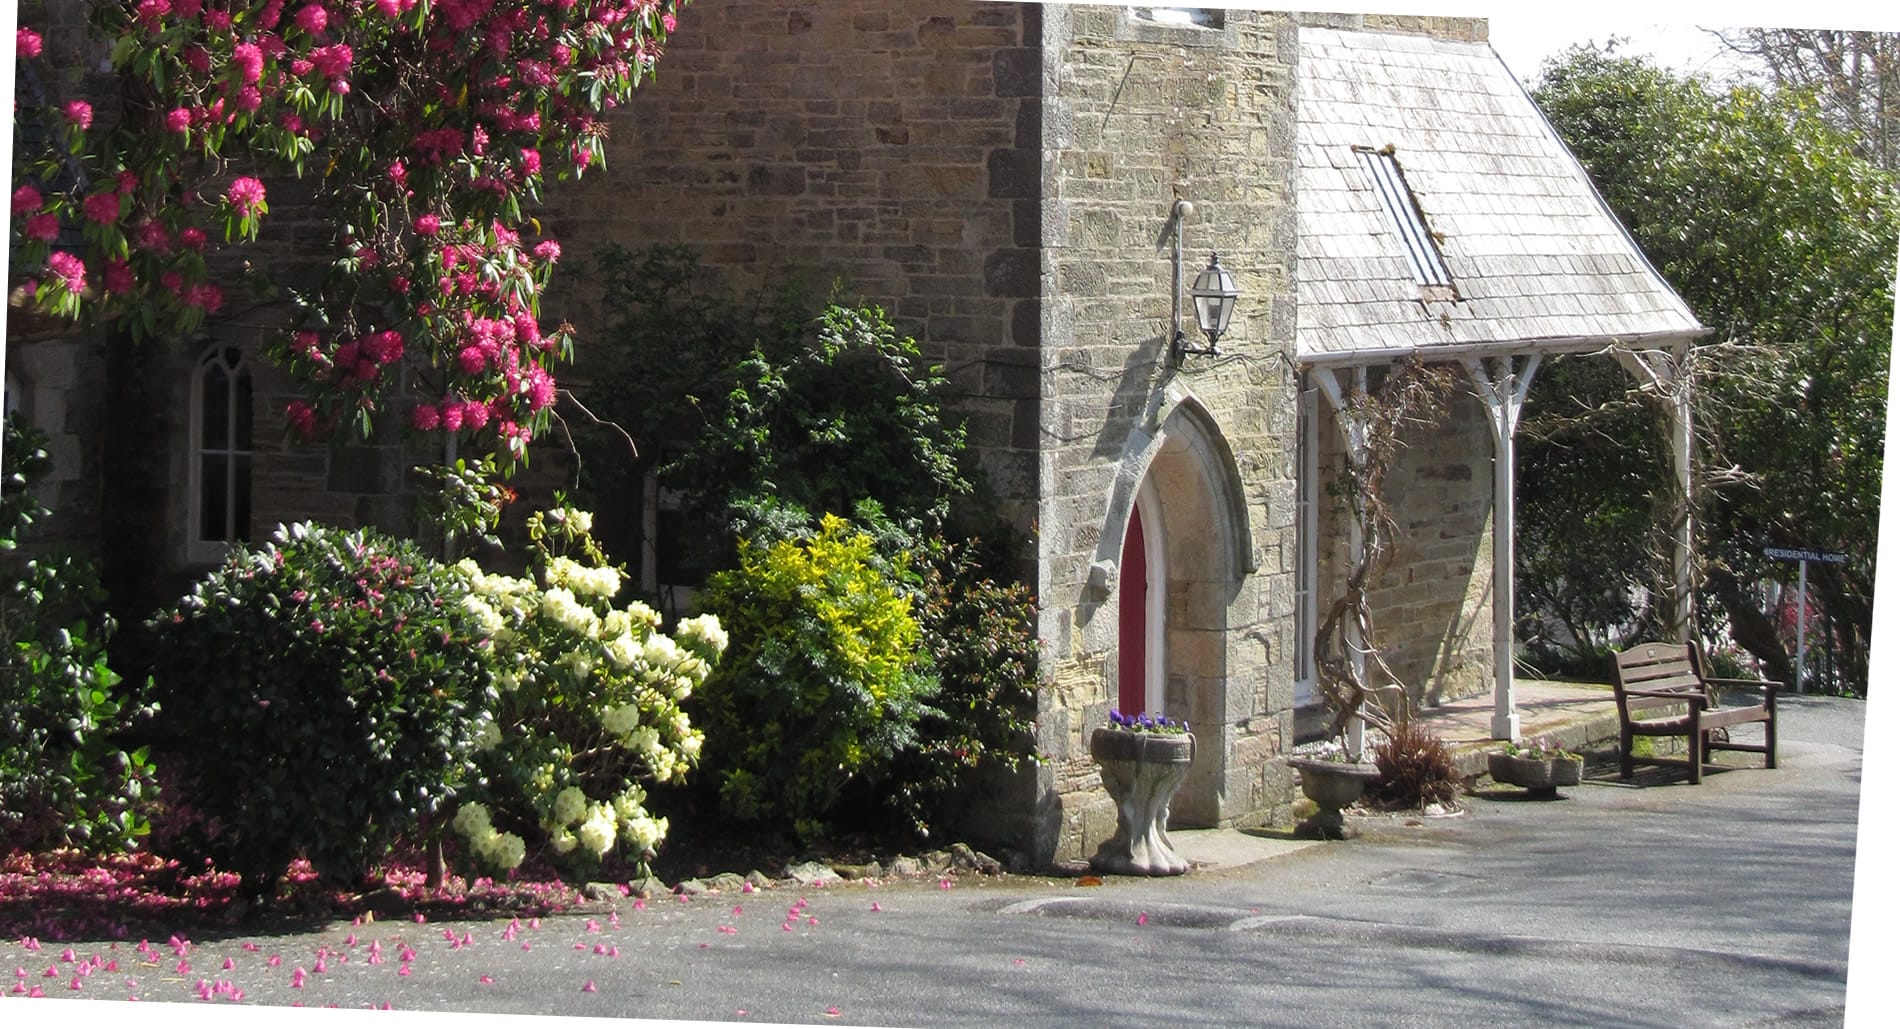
1658 667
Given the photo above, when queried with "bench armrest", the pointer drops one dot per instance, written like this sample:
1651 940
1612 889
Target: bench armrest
1696 699
1760 683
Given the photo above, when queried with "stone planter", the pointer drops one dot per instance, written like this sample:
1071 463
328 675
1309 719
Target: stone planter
1334 786
1142 771
1541 776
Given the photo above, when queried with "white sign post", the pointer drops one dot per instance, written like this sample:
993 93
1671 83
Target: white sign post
1801 603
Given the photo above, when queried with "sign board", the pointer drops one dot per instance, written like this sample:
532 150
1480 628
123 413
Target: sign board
1832 557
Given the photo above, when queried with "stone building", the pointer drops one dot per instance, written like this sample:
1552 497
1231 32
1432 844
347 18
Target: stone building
1007 179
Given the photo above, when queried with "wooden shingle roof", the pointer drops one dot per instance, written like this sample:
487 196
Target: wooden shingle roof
1536 259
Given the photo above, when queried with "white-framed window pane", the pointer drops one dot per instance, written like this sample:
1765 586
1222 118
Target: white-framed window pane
221 450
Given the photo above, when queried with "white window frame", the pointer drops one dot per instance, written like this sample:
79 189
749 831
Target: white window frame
197 548
1306 544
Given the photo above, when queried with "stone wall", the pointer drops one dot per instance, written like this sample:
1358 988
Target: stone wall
1136 115
888 147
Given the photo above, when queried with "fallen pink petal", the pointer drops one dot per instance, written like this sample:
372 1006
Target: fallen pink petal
588 987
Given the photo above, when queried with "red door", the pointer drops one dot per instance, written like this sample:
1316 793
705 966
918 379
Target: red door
1132 665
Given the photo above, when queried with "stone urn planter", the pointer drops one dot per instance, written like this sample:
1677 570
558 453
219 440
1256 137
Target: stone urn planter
1334 786
1142 771
1540 775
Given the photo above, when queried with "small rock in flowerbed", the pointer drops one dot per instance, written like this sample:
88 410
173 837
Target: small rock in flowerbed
873 870
936 861
604 891
726 882
757 880
906 866
646 887
961 856
812 873
690 888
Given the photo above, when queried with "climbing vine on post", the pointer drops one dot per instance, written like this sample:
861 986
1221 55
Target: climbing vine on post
1411 393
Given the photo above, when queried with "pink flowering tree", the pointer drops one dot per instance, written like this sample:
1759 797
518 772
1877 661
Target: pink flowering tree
420 133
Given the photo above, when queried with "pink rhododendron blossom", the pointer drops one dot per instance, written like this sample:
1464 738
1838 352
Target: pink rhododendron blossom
217 20
102 208
425 418
204 295
428 224
187 9
150 11
79 113
192 238
178 119
154 237
531 161
669 23
118 277
70 269
452 416
128 181
27 44
248 99
548 250
474 414
471 360
42 227
248 59
312 18
303 418
246 194
384 347
26 200
332 61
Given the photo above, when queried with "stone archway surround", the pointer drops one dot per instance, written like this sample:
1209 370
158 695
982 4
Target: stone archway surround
1205 545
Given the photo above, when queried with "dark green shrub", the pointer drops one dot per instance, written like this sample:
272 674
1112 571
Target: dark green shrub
822 682
326 684
64 777
980 638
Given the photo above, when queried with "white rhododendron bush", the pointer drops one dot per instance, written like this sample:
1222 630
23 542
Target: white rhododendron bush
588 704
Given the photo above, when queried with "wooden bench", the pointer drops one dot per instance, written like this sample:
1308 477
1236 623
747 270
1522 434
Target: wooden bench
1669 676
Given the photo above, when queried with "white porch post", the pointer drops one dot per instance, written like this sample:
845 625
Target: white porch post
1668 376
1503 394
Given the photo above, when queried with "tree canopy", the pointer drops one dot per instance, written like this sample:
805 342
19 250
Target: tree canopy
1783 240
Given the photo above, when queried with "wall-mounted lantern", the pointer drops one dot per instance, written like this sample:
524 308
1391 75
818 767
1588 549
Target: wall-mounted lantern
1215 294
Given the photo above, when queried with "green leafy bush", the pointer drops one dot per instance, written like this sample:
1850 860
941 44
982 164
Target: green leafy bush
327 686
587 704
789 393
64 777
980 641
824 683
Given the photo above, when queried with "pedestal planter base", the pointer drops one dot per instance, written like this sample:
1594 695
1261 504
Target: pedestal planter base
1141 772
1333 786
1541 776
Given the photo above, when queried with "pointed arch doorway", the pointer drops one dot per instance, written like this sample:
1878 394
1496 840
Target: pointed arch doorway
1184 544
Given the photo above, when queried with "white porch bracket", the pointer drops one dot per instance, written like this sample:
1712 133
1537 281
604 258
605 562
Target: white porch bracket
1666 375
1503 383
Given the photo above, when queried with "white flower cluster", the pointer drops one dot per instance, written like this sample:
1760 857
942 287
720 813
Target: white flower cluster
590 582
499 849
703 633
620 719
559 606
